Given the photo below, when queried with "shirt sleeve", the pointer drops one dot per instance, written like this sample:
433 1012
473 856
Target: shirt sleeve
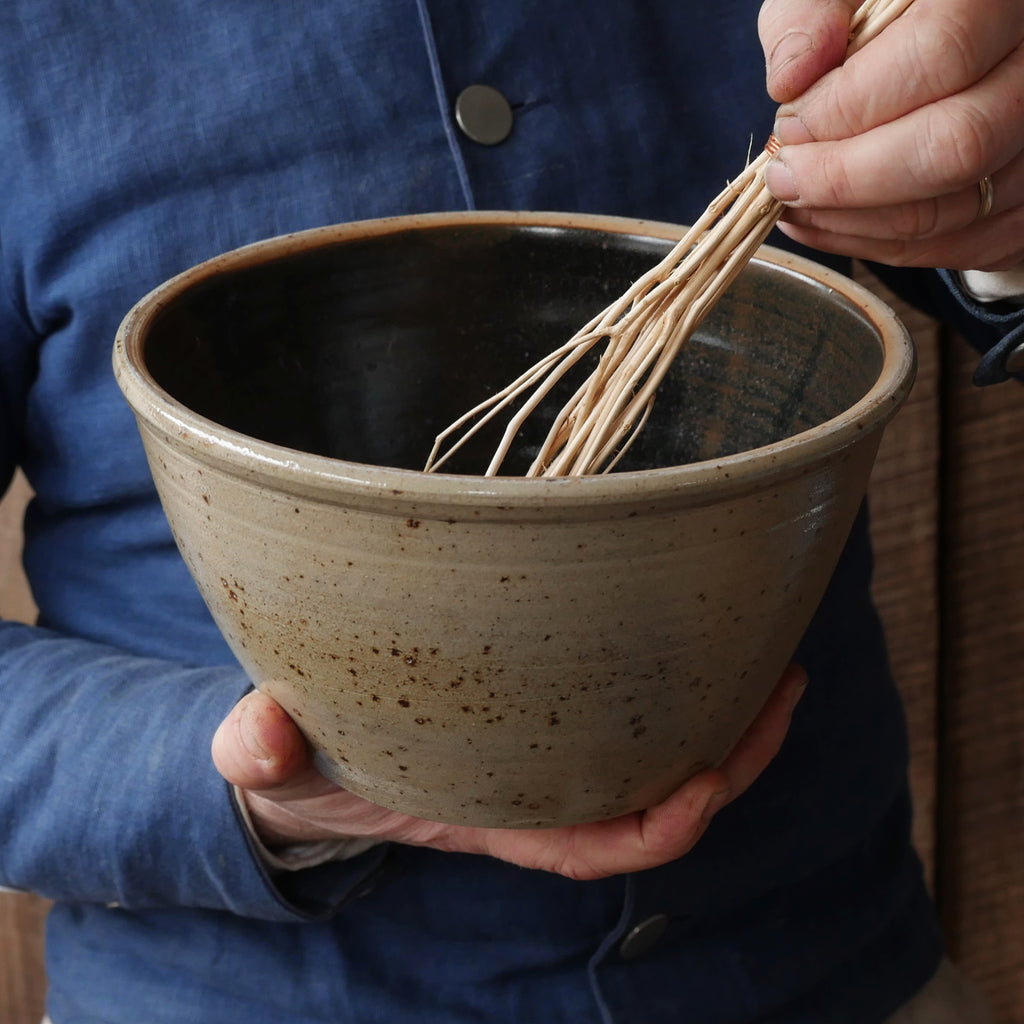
994 328
995 286
108 793
300 855
16 368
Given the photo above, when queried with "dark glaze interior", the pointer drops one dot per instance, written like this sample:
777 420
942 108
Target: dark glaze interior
364 350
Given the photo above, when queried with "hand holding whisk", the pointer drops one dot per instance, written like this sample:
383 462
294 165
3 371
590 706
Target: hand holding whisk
645 328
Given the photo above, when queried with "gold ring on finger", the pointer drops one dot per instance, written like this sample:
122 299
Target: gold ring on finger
988 196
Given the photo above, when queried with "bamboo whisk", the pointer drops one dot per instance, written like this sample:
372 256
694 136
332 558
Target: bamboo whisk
646 327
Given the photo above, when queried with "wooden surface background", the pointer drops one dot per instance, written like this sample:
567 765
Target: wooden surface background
22 977
948 507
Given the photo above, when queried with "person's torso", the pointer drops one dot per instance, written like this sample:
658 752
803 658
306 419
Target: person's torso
141 139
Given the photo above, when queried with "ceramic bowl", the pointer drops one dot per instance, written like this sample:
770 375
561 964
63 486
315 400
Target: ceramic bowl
503 651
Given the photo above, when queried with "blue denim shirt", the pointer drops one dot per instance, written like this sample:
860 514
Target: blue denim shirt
139 138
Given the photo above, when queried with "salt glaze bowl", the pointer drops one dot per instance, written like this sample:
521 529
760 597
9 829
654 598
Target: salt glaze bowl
503 651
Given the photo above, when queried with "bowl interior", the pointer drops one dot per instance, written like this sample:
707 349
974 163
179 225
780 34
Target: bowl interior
364 349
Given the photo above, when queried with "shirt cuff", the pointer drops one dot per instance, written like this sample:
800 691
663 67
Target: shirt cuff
995 328
996 285
301 855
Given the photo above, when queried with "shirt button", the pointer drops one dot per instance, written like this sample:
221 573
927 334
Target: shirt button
483 114
643 937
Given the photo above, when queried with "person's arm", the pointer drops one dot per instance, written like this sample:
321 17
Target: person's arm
107 793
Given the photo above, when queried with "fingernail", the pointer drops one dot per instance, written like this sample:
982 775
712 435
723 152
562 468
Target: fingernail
715 803
792 45
779 179
789 129
251 738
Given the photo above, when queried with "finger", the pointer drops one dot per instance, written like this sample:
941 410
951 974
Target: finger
764 738
934 150
996 243
802 40
665 832
922 219
258 746
930 52
632 842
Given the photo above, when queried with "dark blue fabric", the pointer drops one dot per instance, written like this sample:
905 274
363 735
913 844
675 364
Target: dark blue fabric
1001 325
995 329
139 138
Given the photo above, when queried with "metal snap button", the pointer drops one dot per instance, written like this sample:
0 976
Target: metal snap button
643 937
483 115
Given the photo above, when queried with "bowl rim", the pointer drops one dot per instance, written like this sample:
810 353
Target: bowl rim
323 477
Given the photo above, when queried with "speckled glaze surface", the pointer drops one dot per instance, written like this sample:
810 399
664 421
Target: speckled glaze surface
503 651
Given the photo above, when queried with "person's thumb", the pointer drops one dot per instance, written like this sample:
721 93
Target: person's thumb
258 746
802 40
